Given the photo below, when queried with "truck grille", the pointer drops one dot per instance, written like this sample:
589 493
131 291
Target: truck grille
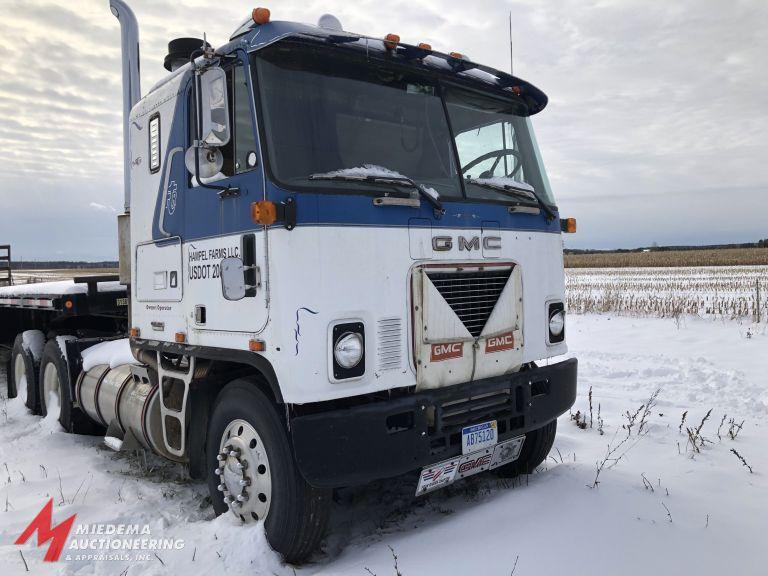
471 295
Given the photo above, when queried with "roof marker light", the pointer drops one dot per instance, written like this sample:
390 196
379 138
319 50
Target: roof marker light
425 46
457 55
260 15
391 41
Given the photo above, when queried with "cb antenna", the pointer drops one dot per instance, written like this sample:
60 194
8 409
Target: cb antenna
511 53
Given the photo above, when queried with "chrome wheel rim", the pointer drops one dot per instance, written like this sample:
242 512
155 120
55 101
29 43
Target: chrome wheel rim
51 385
20 373
245 477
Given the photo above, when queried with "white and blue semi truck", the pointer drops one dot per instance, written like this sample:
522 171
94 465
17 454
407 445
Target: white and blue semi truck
340 261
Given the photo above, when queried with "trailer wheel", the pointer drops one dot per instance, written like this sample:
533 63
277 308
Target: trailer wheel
252 472
536 447
54 380
22 381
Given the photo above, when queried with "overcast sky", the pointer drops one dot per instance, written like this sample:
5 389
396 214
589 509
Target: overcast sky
656 128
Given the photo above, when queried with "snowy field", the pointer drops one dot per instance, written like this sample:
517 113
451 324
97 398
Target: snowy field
660 506
713 291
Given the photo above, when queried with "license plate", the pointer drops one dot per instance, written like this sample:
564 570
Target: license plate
448 471
479 436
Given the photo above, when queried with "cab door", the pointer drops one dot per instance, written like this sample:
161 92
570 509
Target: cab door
219 224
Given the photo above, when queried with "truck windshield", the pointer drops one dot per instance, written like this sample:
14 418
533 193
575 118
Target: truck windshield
324 112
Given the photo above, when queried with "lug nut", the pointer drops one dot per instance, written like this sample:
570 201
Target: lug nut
242 498
221 487
245 482
217 471
234 452
242 465
221 457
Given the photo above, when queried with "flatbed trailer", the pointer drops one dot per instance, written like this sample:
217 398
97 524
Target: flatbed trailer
89 304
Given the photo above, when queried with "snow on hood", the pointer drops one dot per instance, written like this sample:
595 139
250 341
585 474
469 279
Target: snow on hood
113 353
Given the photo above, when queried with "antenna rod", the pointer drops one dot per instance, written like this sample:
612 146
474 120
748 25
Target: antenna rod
510 44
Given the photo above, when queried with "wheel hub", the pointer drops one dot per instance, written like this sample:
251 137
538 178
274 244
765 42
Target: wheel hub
245 481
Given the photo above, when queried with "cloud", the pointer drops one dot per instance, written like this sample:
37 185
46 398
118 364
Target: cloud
102 208
655 130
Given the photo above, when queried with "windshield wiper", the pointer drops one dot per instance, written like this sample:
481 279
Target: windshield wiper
428 194
516 189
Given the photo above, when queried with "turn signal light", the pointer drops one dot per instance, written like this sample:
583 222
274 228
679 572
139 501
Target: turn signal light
257 345
264 212
260 15
568 225
425 46
180 337
391 41
135 332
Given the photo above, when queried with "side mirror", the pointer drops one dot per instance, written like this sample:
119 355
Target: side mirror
215 108
233 279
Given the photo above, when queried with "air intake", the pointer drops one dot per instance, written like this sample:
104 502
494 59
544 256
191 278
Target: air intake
179 51
471 295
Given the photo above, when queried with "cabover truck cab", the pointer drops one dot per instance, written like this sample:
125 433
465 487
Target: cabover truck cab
344 263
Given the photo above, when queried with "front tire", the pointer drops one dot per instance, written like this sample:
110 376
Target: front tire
253 473
536 447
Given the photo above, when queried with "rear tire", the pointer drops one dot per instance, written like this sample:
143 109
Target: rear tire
22 380
536 447
54 373
296 513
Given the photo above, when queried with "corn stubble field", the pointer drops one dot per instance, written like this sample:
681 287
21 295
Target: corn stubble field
734 292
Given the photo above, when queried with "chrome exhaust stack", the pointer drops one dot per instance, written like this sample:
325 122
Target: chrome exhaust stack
129 35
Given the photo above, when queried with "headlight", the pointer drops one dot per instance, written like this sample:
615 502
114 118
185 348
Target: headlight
348 350
557 323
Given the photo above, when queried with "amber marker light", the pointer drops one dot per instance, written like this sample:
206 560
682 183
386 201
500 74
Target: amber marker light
260 15
135 332
257 345
68 304
391 41
425 46
457 55
264 212
180 337
568 225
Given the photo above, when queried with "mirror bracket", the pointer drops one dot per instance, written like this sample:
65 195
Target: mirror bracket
286 212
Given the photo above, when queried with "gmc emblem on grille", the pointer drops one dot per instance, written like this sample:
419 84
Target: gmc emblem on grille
499 343
447 351
445 243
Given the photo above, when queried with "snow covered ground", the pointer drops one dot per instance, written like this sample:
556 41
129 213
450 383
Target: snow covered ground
662 508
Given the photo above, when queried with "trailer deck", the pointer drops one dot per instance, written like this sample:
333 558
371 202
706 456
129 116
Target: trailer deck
61 302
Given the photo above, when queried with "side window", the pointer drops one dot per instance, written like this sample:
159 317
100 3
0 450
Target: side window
245 142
